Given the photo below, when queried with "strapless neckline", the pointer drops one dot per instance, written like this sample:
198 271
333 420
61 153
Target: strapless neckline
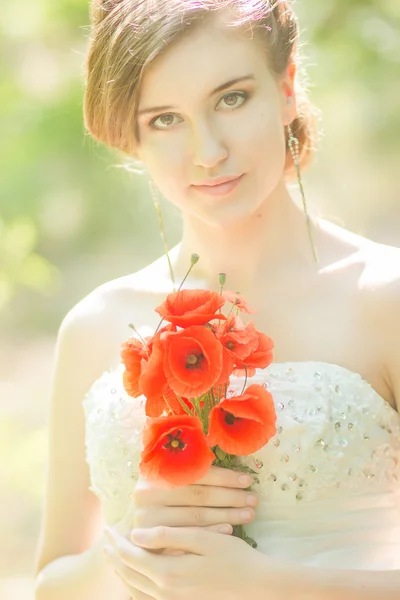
320 364
328 481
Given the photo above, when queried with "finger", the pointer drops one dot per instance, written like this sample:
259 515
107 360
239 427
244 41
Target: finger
219 476
210 496
171 552
195 516
224 528
219 487
194 540
138 595
131 578
132 555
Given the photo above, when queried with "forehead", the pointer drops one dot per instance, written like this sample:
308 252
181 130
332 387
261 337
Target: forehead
200 61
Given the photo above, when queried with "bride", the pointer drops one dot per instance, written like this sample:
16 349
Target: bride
204 94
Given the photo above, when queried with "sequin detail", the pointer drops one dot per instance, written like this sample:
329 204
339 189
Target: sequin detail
334 436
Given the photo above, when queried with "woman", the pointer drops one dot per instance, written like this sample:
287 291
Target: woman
204 94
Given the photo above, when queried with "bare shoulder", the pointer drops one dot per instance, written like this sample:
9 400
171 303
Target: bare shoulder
377 265
381 278
372 268
88 344
371 271
383 285
384 265
380 288
113 305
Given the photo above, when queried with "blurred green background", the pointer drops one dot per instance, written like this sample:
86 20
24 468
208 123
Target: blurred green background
71 216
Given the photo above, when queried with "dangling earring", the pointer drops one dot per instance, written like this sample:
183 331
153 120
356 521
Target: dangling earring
157 206
294 149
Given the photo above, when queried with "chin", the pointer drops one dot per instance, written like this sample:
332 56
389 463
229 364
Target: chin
229 216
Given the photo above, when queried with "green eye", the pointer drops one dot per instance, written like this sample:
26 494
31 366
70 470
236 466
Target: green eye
166 120
242 96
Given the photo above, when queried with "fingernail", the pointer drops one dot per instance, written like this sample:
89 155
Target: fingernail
225 529
139 535
251 500
173 552
246 515
245 480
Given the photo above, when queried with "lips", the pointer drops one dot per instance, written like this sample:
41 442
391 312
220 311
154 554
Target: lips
219 187
217 181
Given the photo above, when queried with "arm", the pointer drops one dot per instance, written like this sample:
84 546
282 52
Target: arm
84 576
311 583
320 583
70 562
229 565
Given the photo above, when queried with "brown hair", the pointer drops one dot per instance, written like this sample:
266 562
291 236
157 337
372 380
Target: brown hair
127 35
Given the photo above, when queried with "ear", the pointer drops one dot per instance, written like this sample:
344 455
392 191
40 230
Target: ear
288 95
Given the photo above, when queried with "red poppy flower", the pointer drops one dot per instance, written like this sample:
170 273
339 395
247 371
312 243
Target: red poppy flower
239 340
191 307
193 361
144 371
243 424
133 352
173 405
179 410
238 301
153 383
259 359
175 450
227 368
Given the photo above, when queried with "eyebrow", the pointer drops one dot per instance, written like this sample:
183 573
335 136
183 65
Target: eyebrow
220 88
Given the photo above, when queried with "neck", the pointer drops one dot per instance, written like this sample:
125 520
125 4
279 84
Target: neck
273 238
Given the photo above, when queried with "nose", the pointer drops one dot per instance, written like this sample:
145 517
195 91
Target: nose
208 148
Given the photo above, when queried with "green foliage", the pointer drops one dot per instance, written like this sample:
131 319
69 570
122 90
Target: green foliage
63 199
72 218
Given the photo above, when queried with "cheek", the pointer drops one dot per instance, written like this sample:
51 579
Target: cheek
260 134
265 152
268 129
165 162
269 144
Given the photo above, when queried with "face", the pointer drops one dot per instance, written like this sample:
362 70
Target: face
208 128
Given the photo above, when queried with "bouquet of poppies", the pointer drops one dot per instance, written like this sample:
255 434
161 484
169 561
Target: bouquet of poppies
184 372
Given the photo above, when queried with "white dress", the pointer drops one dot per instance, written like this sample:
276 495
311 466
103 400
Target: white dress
329 479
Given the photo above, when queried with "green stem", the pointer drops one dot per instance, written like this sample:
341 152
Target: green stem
245 380
164 239
131 326
230 461
196 404
222 280
184 406
194 260
206 412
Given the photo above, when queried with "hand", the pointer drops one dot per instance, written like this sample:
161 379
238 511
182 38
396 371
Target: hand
218 498
215 566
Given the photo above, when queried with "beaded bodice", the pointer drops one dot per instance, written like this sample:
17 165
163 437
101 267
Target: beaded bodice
335 458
